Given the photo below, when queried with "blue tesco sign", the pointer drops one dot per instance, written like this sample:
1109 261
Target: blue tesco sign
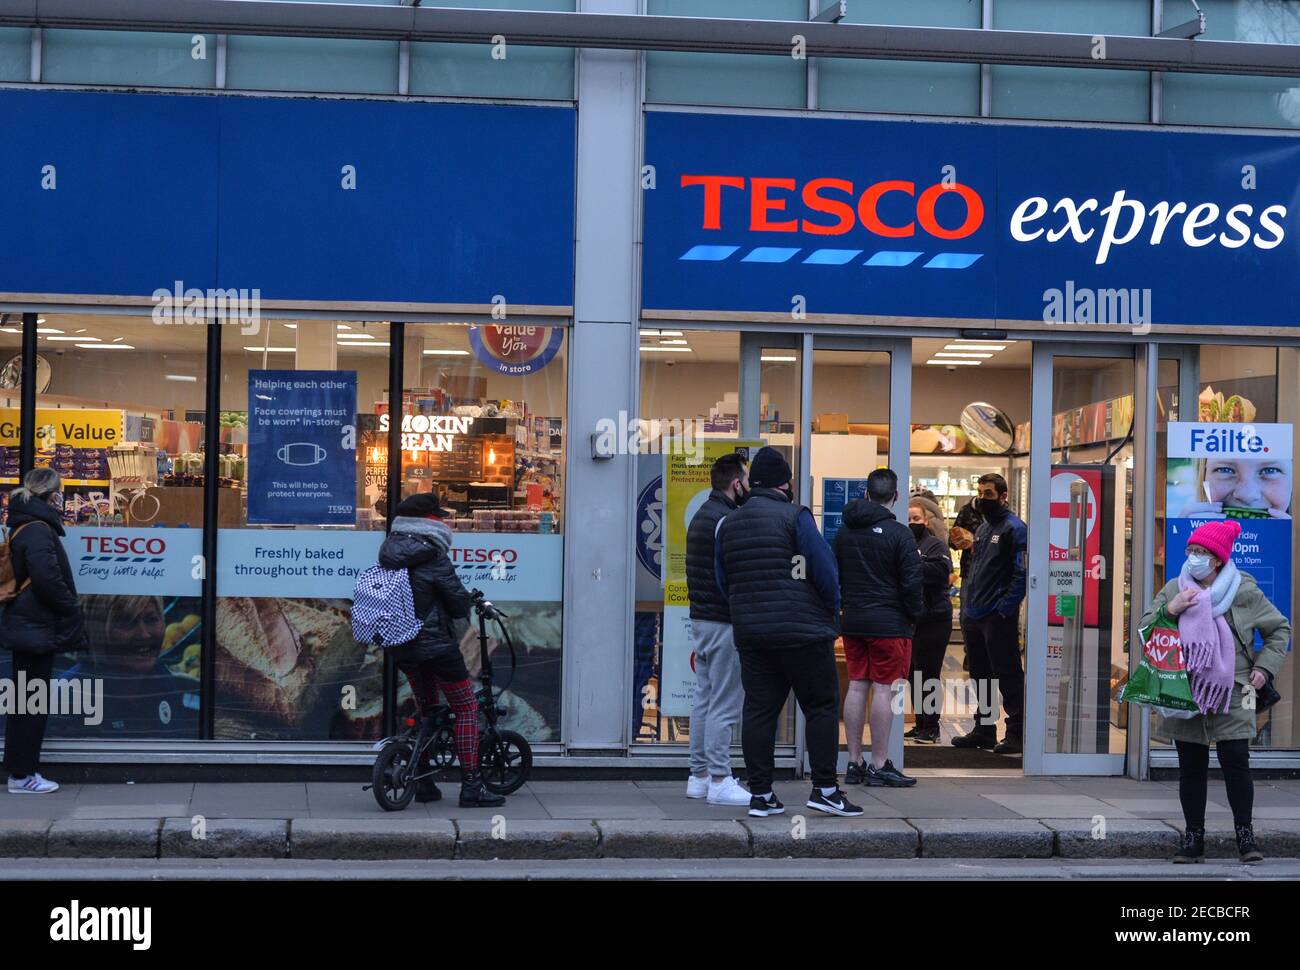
970 221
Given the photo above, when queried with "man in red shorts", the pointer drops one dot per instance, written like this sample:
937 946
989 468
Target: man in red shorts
880 586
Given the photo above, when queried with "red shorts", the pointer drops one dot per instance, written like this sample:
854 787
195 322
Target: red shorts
881 660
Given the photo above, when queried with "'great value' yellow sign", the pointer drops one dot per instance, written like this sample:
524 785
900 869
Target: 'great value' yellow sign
78 427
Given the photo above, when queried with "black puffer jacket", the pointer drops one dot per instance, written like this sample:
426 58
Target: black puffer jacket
46 616
880 572
440 597
707 601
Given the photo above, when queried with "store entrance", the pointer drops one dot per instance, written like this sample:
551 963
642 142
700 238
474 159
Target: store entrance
969 436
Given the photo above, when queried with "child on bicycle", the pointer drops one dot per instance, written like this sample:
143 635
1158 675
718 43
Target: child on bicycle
418 542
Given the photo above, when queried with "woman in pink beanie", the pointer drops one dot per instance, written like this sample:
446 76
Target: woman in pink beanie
1218 608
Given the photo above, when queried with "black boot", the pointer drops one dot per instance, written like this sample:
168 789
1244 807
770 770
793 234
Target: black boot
1193 847
474 794
427 791
1246 847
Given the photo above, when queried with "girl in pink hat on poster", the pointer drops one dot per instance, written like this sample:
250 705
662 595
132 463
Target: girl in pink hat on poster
1218 608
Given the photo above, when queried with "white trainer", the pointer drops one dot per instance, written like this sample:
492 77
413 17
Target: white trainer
728 792
33 784
697 787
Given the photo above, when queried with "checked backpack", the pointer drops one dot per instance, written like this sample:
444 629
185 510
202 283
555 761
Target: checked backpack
383 609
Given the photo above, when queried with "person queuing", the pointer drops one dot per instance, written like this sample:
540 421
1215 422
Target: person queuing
880 585
1219 608
782 589
991 593
42 620
934 628
715 708
961 539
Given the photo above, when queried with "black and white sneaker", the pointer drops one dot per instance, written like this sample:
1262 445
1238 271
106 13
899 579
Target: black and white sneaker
762 806
835 803
888 776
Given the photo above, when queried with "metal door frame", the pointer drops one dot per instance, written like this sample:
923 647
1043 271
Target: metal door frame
1144 355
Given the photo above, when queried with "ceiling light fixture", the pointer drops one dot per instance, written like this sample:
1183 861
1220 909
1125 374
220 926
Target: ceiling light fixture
189 378
968 345
955 363
105 346
74 339
665 350
446 353
48 330
272 350
944 353
780 360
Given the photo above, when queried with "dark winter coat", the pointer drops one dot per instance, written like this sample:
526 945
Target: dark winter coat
995 581
46 616
707 601
936 576
880 572
440 597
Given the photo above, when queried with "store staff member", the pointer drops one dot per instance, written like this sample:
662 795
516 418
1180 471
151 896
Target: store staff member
991 594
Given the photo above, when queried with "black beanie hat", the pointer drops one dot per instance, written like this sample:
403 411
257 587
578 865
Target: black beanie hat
769 469
421 506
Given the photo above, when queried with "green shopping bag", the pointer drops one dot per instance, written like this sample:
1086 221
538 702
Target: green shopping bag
1160 680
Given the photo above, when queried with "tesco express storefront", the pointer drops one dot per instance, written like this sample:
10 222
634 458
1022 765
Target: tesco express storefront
514 285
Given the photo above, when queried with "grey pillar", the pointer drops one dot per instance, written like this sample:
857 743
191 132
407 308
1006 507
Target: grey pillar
600 507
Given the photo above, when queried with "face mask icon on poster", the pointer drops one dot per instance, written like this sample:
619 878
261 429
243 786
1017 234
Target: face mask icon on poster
301 453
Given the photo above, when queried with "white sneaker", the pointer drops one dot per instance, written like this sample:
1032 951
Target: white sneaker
728 792
697 787
33 784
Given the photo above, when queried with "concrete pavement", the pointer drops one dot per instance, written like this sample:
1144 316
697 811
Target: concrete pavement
947 816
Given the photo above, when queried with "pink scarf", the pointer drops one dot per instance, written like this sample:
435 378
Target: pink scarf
1208 644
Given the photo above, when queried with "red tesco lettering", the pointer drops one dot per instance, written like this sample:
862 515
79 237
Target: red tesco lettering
125 545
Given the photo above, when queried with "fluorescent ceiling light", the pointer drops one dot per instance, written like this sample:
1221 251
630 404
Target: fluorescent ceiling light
668 343
665 350
272 350
670 333
446 353
180 377
292 326
344 326
650 333
11 330
780 360
75 339
955 363
973 345
105 346
353 343
40 319
48 330
356 336
962 354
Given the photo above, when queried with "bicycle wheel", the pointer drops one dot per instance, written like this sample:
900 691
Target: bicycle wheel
504 760
391 778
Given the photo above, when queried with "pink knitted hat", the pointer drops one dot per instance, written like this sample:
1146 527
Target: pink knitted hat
1217 536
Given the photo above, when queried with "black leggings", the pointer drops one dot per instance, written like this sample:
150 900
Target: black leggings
1194 775
929 644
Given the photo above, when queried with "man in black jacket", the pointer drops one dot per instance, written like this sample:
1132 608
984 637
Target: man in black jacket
783 594
880 582
991 594
418 543
715 708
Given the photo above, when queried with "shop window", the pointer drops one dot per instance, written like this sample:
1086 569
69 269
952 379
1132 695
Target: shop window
759 81
120 416
129 57
696 405
906 87
301 513
1211 99
483 414
1084 94
479 70
1243 385
15 54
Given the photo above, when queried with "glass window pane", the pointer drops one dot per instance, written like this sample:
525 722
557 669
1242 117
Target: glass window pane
121 57
472 70
15 54
120 416
735 79
299 405
1072 93
845 84
483 427
311 64
1208 99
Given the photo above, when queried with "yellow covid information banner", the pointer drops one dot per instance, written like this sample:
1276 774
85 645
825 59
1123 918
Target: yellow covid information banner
78 427
687 472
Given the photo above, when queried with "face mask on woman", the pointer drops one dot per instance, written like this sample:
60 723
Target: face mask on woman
1199 566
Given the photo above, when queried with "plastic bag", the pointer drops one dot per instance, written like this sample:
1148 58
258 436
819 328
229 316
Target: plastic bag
1160 680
